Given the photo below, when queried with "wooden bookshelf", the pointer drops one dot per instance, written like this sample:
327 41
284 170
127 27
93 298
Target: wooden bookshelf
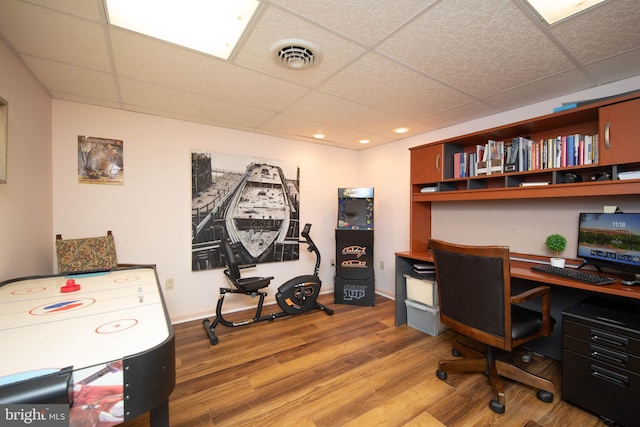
615 120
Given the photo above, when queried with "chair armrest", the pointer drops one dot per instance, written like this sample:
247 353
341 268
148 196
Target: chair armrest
545 293
531 293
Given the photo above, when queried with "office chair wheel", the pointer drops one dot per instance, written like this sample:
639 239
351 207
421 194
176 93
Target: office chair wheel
496 407
442 375
545 396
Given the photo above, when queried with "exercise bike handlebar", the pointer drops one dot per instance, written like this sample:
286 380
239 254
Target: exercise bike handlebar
311 247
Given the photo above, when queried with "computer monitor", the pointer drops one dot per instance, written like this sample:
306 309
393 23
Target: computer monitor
611 240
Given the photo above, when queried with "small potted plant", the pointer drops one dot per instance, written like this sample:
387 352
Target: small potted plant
556 243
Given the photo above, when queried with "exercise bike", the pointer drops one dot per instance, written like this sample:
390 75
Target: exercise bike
296 296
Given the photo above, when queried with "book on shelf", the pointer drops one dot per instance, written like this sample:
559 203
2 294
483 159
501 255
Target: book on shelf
575 104
425 271
534 184
523 154
492 158
629 175
461 165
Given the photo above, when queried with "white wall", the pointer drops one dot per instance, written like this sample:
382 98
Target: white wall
150 215
25 201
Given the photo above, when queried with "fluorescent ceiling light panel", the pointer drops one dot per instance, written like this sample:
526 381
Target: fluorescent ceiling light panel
553 11
210 26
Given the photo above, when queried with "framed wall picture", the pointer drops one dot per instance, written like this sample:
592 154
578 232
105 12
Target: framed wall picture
253 202
100 160
4 136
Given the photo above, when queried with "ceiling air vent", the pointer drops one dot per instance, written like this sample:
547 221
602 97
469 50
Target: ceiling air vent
296 54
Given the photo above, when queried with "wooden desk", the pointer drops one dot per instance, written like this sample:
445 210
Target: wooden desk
520 269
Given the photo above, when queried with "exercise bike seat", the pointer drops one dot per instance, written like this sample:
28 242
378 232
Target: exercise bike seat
245 284
249 284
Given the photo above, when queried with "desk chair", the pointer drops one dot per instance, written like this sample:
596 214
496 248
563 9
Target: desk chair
87 254
474 287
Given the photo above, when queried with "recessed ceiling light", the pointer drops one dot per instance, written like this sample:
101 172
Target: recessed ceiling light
364 141
319 135
212 27
557 10
401 130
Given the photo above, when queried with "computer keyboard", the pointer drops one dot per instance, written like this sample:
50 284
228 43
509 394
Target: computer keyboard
573 274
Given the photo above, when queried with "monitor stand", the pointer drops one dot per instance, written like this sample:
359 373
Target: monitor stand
585 262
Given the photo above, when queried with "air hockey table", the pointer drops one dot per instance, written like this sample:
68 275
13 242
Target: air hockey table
101 343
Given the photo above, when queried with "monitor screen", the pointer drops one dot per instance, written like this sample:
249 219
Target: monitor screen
610 240
355 214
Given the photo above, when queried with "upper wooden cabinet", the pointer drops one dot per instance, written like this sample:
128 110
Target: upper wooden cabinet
620 132
426 164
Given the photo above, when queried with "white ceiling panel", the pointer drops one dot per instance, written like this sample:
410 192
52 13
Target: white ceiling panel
601 32
45 33
71 80
393 88
358 20
478 47
422 64
145 59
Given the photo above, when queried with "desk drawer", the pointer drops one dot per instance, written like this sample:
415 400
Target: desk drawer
600 388
611 337
601 353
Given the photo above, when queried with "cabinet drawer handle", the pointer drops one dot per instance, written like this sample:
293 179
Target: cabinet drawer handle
608 375
604 337
438 157
607 139
608 355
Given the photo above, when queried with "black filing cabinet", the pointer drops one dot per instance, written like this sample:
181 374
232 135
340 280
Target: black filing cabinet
601 358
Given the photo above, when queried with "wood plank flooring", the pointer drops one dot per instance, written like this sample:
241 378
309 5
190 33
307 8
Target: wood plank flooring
354 368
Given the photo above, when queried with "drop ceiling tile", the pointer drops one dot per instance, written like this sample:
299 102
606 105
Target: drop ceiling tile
294 127
481 48
464 113
538 91
81 8
146 59
604 31
358 20
616 68
276 25
54 35
72 80
84 100
173 101
381 83
339 112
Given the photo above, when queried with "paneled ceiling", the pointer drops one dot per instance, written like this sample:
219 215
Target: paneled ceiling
421 64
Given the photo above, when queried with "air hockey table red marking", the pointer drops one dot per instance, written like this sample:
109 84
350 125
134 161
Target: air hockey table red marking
62 306
116 326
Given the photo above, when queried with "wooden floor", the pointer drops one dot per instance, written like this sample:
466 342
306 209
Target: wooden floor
353 368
